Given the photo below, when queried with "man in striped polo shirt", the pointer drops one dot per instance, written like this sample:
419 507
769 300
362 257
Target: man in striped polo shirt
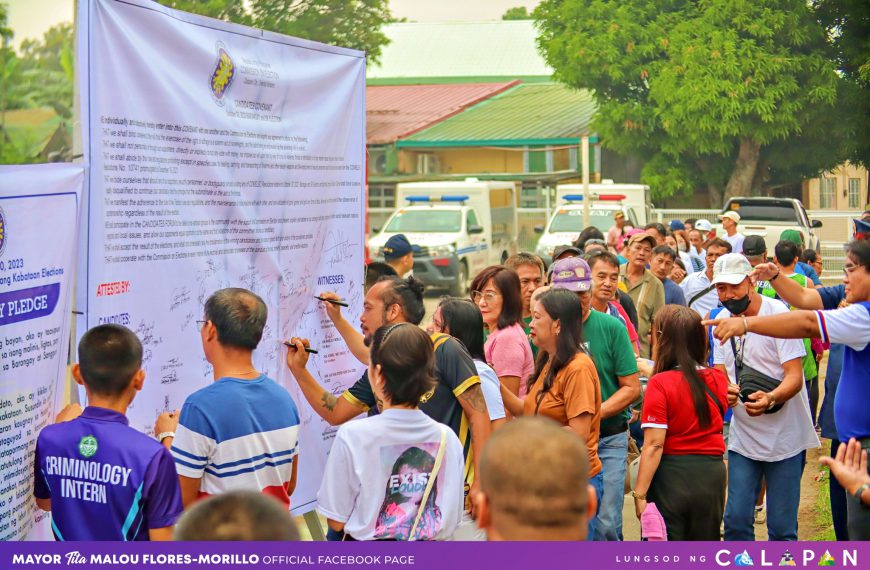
242 431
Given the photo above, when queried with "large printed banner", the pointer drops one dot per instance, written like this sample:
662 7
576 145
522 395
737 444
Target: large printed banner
221 156
38 230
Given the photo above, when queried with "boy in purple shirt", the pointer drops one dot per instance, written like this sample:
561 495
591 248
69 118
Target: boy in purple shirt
100 478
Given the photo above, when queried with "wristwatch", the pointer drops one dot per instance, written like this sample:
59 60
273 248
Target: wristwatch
163 435
639 496
860 491
772 400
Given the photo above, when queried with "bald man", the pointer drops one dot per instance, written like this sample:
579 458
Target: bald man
549 498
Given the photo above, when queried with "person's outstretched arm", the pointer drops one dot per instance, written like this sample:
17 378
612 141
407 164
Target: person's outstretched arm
330 407
352 337
790 291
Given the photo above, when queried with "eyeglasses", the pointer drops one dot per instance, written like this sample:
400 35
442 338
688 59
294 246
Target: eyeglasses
200 324
489 296
849 268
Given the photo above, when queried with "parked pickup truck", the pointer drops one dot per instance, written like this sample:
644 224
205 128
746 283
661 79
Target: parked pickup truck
769 217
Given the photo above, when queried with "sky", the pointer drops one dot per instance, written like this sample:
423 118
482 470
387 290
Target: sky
30 18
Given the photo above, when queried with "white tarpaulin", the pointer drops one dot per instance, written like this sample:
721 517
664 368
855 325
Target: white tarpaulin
221 156
38 230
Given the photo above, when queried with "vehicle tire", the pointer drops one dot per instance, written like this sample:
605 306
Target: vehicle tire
460 288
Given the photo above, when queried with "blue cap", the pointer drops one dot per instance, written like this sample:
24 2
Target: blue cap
862 227
677 225
398 246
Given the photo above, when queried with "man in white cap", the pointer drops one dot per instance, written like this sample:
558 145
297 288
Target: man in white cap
771 428
732 236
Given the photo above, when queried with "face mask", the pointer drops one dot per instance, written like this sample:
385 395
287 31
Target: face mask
737 306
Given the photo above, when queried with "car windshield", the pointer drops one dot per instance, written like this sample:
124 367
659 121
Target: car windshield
764 211
572 220
425 221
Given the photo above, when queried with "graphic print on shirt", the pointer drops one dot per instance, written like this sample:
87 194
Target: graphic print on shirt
409 469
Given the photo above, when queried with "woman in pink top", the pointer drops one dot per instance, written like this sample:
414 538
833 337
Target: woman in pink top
496 290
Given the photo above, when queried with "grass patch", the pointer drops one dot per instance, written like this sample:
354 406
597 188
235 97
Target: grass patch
822 508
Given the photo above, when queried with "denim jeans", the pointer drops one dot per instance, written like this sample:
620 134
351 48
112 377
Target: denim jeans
612 451
598 483
783 496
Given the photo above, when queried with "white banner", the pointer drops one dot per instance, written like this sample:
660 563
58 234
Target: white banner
38 230
221 156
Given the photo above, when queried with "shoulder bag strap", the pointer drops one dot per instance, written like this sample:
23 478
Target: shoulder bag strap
439 456
700 294
713 396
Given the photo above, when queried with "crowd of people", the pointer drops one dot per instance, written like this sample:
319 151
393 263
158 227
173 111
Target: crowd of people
695 348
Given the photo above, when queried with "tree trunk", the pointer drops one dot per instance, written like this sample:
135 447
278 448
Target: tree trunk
740 182
715 195
760 177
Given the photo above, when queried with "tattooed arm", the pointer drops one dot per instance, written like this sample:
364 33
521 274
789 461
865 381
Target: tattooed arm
331 408
474 407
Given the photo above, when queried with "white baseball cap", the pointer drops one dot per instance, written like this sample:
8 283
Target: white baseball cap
731 268
733 216
703 225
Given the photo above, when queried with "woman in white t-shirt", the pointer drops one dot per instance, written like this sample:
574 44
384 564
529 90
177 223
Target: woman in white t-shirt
461 319
397 475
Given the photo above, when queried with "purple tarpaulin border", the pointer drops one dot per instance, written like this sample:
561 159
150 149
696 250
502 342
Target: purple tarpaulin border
431 555
49 295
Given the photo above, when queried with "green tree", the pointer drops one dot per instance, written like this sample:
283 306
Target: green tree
347 23
848 26
48 69
517 13
715 93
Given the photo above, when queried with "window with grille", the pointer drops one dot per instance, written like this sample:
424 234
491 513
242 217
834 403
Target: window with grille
827 189
855 193
382 196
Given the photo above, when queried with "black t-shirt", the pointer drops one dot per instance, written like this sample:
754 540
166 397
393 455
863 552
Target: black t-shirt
456 373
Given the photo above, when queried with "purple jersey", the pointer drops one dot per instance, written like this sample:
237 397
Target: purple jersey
106 481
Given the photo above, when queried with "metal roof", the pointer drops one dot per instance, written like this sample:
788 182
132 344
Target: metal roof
395 111
455 52
528 114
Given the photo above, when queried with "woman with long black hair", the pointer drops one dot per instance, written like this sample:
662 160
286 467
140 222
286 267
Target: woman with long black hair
565 385
397 475
681 467
461 319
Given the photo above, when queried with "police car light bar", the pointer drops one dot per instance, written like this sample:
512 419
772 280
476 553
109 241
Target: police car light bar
599 197
437 199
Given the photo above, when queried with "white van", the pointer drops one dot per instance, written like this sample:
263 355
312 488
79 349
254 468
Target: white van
607 198
460 228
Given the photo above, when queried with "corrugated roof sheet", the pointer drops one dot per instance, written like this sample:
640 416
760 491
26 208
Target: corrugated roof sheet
394 111
526 114
428 52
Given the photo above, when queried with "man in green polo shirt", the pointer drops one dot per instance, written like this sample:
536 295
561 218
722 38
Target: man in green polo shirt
642 286
606 340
